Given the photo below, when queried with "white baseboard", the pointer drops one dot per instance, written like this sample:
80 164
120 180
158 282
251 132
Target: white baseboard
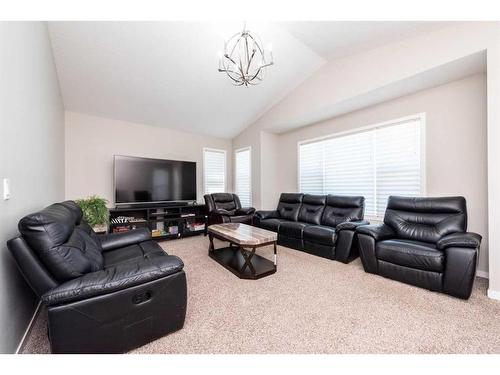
494 294
483 274
29 327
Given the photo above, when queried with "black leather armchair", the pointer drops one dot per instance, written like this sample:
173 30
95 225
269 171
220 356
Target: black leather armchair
322 225
104 293
226 208
423 242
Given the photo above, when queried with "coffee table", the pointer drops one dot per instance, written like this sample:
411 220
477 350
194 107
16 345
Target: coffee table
239 257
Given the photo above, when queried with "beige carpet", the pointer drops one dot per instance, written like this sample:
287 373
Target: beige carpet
314 305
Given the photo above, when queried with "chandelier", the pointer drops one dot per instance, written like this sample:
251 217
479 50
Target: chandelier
244 59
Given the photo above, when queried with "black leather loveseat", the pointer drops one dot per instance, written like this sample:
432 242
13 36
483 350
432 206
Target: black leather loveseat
226 208
104 293
423 242
322 225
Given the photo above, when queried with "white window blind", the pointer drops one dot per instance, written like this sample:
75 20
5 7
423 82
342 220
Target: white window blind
243 178
214 171
374 163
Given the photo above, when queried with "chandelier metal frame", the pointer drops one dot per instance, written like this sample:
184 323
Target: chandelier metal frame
244 59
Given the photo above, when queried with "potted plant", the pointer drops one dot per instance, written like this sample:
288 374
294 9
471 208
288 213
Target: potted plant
95 212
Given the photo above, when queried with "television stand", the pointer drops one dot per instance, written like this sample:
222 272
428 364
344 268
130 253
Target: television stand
171 221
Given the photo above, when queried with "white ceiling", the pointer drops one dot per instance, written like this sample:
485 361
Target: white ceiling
165 73
333 40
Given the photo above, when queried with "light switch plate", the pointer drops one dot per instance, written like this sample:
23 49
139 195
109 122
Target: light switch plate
6 189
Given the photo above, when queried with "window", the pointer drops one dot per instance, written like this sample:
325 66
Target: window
214 171
243 176
375 162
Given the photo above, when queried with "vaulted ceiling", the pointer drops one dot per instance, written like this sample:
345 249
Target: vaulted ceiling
165 73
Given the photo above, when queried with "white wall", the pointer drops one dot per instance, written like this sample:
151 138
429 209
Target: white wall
31 155
456 155
92 141
344 80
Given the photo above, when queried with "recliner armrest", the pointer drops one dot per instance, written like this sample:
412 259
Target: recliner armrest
113 279
263 215
377 232
351 225
459 239
116 240
221 211
245 211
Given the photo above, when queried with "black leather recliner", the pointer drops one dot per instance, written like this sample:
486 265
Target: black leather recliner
226 208
104 293
322 225
423 242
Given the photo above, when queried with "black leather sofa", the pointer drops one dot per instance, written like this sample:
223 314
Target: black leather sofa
322 225
423 242
104 293
226 208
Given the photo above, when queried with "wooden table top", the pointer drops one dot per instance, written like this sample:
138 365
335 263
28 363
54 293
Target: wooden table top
243 234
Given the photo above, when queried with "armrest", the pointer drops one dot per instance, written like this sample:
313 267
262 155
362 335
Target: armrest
460 239
221 211
116 240
245 211
377 232
262 215
113 279
351 225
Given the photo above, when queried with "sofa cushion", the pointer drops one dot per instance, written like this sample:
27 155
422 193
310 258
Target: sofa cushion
312 208
320 234
133 253
292 229
342 208
289 206
412 254
245 219
271 224
224 201
426 219
66 251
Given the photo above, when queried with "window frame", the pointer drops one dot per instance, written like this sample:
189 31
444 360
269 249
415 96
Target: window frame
209 149
421 117
247 148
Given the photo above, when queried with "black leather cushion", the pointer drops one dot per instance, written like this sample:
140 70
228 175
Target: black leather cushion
413 254
312 208
48 228
271 224
292 229
342 208
224 201
289 206
320 234
112 279
66 251
133 253
245 219
426 219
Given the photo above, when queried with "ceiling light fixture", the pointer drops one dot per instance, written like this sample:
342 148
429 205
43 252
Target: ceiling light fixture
244 59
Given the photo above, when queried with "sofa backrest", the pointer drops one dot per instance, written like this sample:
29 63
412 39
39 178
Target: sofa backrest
312 208
426 219
342 208
64 249
226 201
289 205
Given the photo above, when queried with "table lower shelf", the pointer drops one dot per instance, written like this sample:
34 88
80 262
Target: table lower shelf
232 259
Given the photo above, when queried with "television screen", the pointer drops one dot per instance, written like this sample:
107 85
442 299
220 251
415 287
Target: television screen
142 180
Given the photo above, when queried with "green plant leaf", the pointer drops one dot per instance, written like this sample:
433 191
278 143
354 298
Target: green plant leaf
94 210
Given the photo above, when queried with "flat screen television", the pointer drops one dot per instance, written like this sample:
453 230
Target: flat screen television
143 180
